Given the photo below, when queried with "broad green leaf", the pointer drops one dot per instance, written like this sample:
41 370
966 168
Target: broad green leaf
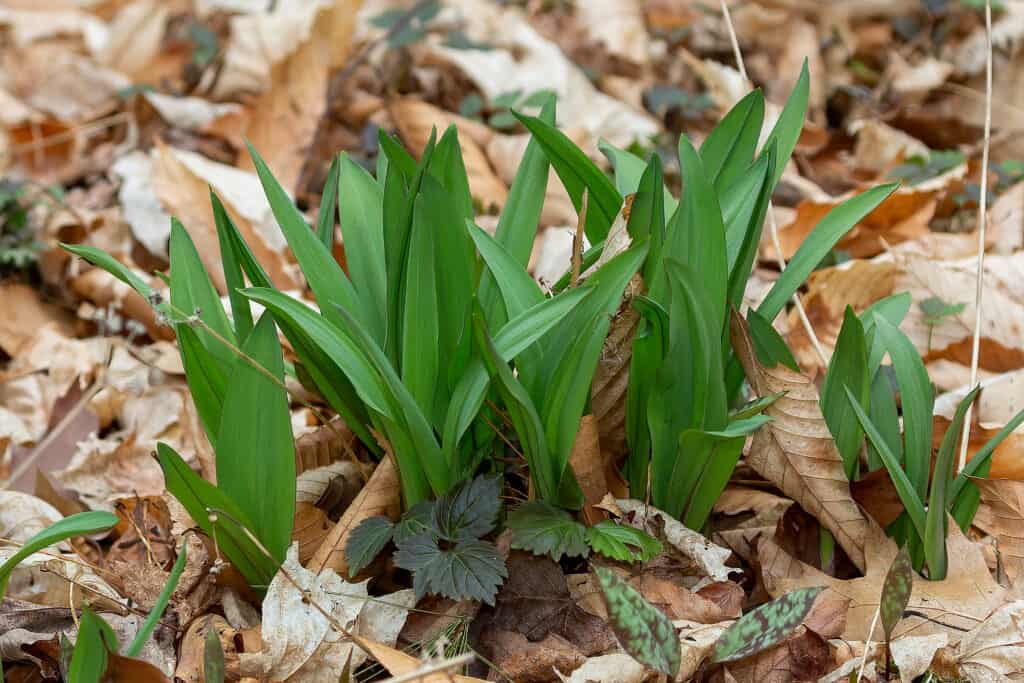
241 312
729 149
328 206
449 169
893 308
578 173
917 401
744 206
160 605
647 212
822 239
885 416
938 498
623 543
80 524
769 345
470 510
520 216
899 583
360 205
848 368
332 341
629 170
255 447
213 657
398 158
328 281
755 407
543 529
192 291
471 570
366 541
765 626
907 493
641 628
518 290
198 496
706 462
650 343
789 125
420 324
963 494
89 661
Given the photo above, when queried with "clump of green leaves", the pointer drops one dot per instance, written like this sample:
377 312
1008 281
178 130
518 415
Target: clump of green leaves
642 629
935 310
765 626
857 375
544 529
19 248
498 112
406 26
441 542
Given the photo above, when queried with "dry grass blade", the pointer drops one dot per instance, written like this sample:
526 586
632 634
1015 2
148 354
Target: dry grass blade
982 220
796 452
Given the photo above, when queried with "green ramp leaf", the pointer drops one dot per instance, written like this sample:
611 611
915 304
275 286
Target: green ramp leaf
642 629
765 626
543 529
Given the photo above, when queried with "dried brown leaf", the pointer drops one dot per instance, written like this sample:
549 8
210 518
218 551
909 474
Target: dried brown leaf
967 596
588 465
380 496
1001 514
796 452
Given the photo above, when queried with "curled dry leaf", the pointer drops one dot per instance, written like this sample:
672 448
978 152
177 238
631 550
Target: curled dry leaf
380 496
611 379
966 597
994 650
323 446
613 668
913 655
709 558
795 451
588 465
399 663
321 494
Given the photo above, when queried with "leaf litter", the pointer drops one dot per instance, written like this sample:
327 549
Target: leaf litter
119 116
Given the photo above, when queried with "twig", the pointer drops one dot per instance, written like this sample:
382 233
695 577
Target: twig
982 221
439 667
773 228
867 645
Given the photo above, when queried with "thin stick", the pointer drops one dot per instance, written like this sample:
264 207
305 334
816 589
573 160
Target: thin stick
867 645
773 228
428 669
982 221
577 241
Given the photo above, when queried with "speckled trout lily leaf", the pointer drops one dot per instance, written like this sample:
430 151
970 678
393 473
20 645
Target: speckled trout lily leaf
765 626
899 582
642 629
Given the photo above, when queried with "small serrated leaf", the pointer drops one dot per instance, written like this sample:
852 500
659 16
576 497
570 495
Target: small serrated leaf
470 511
642 629
366 541
543 529
472 570
416 520
899 582
622 543
765 626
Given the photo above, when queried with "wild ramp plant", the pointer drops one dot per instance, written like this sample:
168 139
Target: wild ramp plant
858 399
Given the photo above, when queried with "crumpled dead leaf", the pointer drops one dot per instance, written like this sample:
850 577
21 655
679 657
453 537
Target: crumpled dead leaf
994 650
796 451
613 668
968 594
913 655
709 558
1001 514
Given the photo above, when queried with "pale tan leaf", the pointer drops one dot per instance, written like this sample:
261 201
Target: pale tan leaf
324 445
796 451
966 597
913 655
611 379
399 663
22 313
1001 514
994 650
613 668
380 496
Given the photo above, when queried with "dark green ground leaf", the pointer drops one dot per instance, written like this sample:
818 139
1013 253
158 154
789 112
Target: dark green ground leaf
366 541
899 582
622 542
543 529
213 658
765 626
470 511
416 520
472 570
642 629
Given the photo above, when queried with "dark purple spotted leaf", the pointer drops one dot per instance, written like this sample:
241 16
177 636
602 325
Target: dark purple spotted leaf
899 582
642 629
765 626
